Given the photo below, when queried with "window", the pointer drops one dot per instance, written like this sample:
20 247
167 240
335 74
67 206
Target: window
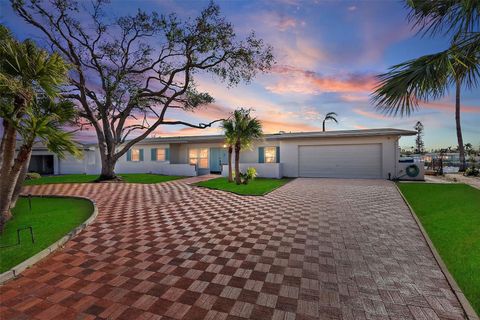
135 155
198 156
161 155
270 154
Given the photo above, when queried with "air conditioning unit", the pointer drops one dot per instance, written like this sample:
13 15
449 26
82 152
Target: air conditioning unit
410 169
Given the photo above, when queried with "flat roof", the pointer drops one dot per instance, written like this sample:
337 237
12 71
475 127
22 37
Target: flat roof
288 135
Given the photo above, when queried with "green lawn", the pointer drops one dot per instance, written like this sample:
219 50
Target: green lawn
450 213
257 187
51 218
84 178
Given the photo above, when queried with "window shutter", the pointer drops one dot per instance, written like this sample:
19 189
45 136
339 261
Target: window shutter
129 155
153 154
141 154
167 154
261 155
277 155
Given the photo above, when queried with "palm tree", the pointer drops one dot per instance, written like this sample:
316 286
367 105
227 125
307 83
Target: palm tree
228 127
25 72
431 76
43 123
329 116
243 130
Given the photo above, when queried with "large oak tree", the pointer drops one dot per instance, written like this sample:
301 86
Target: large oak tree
129 71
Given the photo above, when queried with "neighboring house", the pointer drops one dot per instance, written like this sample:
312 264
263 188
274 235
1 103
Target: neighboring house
371 153
46 162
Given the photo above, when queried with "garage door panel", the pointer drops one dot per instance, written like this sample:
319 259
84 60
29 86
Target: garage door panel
341 161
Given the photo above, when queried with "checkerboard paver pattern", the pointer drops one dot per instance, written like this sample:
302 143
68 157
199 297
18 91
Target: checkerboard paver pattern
313 249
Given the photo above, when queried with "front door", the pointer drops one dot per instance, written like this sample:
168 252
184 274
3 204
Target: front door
218 157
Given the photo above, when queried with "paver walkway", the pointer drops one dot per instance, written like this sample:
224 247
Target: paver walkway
313 249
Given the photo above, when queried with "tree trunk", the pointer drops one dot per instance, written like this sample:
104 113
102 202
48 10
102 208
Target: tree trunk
230 151
20 180
6 185
108 169
9 140
9 182
323 126
461 148
238 179
6 126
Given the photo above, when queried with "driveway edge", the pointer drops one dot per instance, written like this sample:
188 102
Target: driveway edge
467 308
19 268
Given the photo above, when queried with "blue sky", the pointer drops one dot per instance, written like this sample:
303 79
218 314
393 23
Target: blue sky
327 52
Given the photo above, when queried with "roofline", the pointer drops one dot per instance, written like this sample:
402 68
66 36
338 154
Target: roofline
288 135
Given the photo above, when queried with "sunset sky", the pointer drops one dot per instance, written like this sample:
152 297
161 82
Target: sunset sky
327 52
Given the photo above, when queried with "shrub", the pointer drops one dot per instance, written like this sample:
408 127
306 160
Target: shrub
251 173
248 175
32 176
472 171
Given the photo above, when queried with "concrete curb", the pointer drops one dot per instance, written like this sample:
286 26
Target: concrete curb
19 268
467 308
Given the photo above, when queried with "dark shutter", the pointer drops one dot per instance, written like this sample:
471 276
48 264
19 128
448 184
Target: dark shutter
261 155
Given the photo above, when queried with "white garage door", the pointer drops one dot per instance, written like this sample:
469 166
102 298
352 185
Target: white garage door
340 161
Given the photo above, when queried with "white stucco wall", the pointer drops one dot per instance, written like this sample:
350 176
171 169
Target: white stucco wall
146 166
251 155
91 163
179 152
289 151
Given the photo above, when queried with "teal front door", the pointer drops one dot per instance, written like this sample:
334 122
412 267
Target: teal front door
218 157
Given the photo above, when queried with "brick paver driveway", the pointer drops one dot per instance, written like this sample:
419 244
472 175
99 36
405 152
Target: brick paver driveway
313 249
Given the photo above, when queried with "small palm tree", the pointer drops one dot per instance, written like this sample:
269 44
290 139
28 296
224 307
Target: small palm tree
329 116
43 122
25 72
242 131
228 127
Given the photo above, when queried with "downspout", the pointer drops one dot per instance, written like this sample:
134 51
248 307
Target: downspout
397 157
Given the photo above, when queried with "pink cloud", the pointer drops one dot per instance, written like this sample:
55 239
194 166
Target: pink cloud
212 111
449 107
296 80
350 97
279 21
271 126
360 127
376 41
371 115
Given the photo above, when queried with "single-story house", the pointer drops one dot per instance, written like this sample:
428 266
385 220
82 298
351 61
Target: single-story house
371 153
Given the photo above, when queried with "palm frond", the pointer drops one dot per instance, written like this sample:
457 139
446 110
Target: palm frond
331 118
43 120
242 128
402 88
445 16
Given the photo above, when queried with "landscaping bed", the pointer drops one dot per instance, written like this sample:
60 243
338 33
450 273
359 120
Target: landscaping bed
450 213
50 218
88 178
256 187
